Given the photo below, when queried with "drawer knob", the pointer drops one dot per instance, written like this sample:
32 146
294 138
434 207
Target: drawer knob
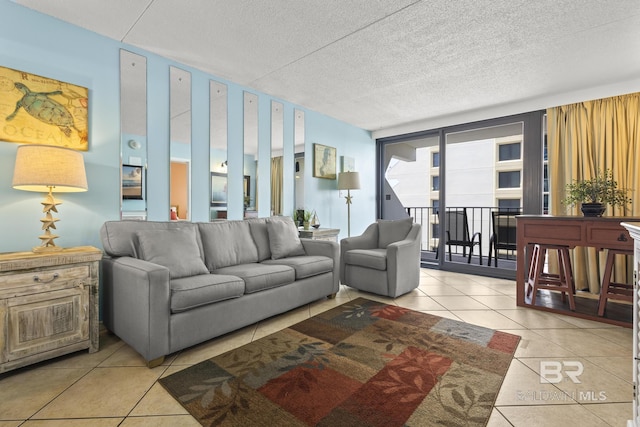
36 278
622 238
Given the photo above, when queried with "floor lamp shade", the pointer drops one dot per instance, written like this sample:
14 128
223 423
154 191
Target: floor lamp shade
348 181
45 168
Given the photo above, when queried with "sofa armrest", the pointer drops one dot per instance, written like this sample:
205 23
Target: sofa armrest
403 262
325 248
136 304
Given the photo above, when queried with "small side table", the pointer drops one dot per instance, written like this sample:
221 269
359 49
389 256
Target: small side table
48 304
320 234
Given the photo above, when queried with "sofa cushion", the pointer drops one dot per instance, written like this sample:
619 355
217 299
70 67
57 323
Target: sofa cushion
195 291
390 231
305 266
175 249
227 243
258 227
119 237
283 237
370 258
258 277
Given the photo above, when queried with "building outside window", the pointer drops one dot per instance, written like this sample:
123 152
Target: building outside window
509 179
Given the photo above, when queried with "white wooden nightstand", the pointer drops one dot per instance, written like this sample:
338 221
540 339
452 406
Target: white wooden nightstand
48 304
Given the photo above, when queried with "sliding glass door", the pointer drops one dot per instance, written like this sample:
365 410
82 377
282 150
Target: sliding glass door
465 184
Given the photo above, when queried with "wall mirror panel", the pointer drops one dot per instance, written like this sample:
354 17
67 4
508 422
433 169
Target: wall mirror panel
218 164
251 154
180 146
133 128
277 156
299 159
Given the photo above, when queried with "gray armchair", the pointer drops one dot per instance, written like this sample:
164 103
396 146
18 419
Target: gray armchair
384 260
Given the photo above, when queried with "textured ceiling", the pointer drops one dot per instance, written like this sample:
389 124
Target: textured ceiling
382 63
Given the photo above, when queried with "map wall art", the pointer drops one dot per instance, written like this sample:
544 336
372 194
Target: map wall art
40 110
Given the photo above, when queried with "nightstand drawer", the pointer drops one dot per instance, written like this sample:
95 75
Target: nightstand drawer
50 278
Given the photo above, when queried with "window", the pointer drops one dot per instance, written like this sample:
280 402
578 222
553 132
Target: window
435 204
509 152
435 160
435 183
508 204
510 179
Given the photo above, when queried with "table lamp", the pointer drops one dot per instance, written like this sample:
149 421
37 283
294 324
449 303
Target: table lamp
47 168
348 181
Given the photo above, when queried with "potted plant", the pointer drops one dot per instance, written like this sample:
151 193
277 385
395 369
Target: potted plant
595 193
306 218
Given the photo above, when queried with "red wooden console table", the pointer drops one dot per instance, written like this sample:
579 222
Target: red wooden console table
604 232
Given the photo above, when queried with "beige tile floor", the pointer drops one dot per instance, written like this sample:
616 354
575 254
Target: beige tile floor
113 387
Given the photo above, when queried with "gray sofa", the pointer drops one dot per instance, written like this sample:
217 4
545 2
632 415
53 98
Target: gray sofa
170 285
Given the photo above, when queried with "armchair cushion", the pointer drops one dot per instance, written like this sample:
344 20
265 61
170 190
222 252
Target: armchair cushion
369 258
390 231
283 238
175 249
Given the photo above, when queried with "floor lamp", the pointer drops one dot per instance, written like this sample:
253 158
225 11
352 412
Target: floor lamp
348 181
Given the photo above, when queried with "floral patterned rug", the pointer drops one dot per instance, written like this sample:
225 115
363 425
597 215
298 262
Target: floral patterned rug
363 363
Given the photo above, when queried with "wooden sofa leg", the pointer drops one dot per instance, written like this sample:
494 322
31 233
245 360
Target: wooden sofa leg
332 296
155 362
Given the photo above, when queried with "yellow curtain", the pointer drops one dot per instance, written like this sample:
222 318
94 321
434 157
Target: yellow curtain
583 139
276 185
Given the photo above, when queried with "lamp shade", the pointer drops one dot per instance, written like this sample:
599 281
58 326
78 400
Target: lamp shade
39 167
348 181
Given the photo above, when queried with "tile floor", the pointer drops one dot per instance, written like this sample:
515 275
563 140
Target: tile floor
113 387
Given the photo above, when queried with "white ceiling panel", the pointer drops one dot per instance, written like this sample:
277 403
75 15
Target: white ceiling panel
382 63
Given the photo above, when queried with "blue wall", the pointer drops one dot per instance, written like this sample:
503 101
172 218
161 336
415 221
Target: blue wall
71 54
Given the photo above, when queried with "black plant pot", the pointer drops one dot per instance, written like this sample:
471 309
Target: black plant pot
592 209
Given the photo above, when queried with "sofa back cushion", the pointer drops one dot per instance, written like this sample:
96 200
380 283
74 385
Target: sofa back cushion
258 227
227 243
390 231
283 237
119 238
176 249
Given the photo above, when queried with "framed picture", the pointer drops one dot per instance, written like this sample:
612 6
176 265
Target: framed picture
132 182
324 161
348 164
219 189
247 191
42 110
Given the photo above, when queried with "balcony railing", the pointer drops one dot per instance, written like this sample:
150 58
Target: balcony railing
479 220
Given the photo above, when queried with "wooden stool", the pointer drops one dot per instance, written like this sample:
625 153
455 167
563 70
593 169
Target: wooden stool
561 282
613 290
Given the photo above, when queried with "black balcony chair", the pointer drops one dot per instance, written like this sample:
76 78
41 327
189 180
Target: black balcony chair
504 234
457 234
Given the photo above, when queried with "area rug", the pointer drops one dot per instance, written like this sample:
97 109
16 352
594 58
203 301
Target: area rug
363 363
